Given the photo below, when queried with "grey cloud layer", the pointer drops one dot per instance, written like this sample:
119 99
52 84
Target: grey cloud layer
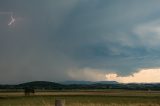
52 37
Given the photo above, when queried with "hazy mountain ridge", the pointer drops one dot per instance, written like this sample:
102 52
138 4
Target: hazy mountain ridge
83 85
88 82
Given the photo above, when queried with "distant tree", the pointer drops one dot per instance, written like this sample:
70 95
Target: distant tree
28 91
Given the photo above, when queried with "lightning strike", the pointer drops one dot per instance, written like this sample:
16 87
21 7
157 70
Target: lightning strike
12 21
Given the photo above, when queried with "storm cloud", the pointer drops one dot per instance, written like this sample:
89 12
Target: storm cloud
57 40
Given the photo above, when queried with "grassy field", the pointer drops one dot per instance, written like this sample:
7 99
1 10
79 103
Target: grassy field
83 98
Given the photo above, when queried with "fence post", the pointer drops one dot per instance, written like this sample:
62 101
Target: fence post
60 102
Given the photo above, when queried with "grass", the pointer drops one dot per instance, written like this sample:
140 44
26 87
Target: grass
125 98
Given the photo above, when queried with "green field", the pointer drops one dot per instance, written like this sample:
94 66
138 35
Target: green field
83 98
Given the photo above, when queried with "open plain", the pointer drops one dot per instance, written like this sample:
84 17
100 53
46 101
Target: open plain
82 98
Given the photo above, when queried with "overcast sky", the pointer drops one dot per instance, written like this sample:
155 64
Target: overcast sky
58 40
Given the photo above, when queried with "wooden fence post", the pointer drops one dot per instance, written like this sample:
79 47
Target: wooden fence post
60 102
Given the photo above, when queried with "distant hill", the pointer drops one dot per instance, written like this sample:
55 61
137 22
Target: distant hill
70 85
107 82
76 82
88 82
40 85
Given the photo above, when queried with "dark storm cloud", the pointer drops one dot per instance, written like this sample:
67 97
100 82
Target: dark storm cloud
27 53
56 39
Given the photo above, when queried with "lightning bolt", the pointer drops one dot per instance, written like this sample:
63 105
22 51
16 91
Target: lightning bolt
12 21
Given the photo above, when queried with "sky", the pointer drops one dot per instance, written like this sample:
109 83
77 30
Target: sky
90 40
